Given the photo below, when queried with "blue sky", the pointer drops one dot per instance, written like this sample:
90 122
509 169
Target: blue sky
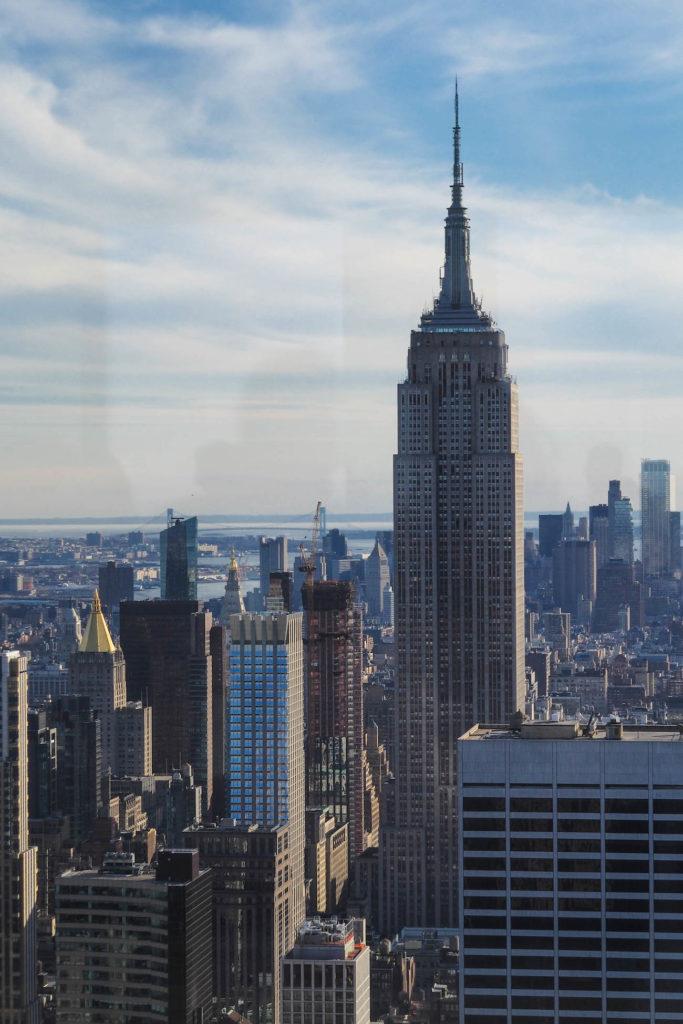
219 222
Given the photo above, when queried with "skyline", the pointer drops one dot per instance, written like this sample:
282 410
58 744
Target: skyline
164 344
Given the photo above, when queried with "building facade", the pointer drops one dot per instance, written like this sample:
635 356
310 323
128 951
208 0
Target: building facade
326 976
257 907
655 507
334 705
571 896
458 545
178 559
134 943
18 866
167 647
98 671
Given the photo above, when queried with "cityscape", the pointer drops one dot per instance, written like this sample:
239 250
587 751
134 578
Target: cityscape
417 765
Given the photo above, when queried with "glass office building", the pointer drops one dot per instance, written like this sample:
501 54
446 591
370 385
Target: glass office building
178 557
264 756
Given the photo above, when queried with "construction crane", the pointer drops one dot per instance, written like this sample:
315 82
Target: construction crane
308 562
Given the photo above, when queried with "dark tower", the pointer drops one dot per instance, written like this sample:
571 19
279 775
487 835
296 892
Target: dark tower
458 547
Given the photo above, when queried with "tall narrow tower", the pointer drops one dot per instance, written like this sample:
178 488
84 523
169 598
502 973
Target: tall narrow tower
459 584
18 968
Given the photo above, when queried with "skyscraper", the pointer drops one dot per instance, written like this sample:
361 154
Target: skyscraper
115 584
334 705
167 647
233 604
273 557
97 670
377 579
178 553
459 588
18 881
598 530
574 578
655 505
265 722
134 943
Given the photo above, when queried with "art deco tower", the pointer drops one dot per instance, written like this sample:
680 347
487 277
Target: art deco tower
459 576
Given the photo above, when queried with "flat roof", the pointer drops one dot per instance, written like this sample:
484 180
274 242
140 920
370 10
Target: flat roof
556 731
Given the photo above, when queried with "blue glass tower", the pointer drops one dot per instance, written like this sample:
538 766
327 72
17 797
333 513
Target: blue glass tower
264 755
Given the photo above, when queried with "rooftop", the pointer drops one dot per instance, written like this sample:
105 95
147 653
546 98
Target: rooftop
611 730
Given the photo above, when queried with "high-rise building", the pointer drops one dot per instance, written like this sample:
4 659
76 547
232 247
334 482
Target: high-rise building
79 760
617 589
42 765
377 579
574 578
218 639
115 584
178 553
279 596
265 725
655 506
568 531
326 976
257 906
550 526
386 539
98 672
675 534
334 705
570 903
458 540
620 524
598 530
133 751
167 647
233 604
273 557
18 880
327 860
135 943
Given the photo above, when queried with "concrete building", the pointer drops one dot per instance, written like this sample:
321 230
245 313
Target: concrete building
135 944
458 538
334 705
178 554
326 861
655 510
326 976
571 897
258 906
169 666
133 753
675 539
18 879
98 671
79 761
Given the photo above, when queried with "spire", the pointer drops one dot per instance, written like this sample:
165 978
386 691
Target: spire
457 306
97 638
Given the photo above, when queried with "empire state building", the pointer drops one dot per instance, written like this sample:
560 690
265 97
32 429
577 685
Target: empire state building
459 576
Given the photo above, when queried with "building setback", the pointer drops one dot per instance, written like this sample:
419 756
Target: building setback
18 879
135 944
459 594
571 896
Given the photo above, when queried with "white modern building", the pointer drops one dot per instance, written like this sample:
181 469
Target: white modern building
571 898
326 977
